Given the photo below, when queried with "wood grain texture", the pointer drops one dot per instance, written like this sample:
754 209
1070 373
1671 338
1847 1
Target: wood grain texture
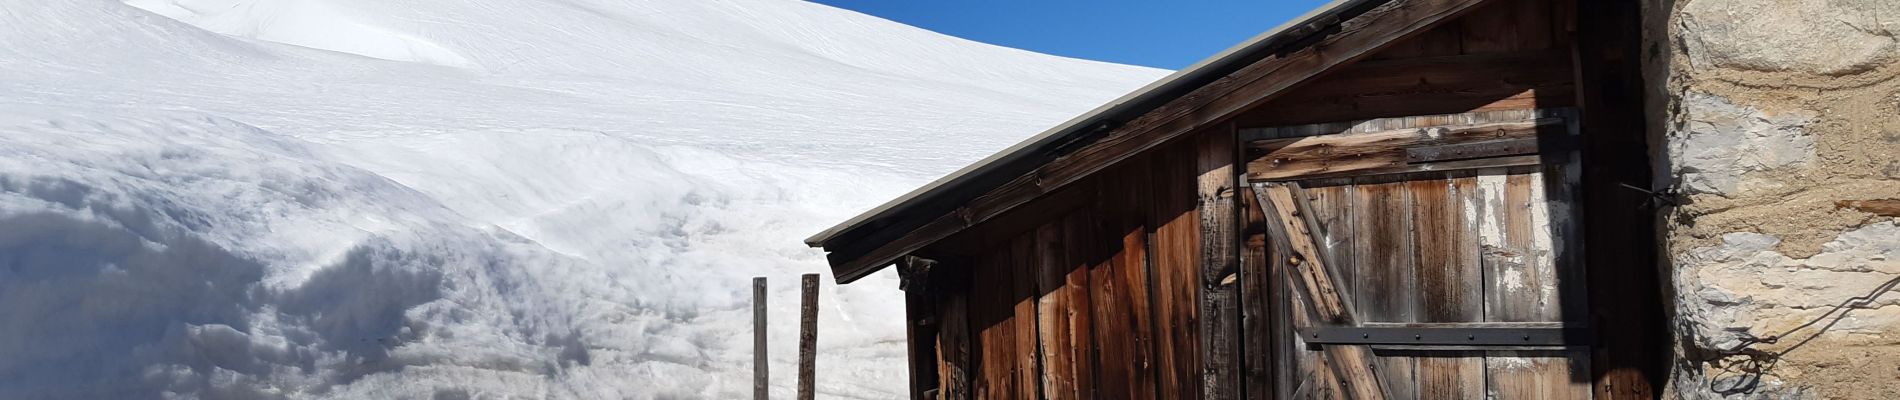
1175 266
1553 375
1449 281
1259 344
1418 240
1425 86
1119 287
1077 229
1351 366
1387 280
1025 362
995 329
1331 211
1052 323
1522 285
921 342
1064 353
955 367
1330 155
808 337
1219 313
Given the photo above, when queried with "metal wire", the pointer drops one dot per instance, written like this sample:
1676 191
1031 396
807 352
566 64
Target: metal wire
1758 361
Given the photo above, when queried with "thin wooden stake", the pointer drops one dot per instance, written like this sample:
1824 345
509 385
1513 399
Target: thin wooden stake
808 337
761 371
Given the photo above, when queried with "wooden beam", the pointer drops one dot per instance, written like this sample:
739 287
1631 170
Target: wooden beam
1288 221
1220 265
1355 38
1256 302
808 337
1400 150
920 327
1625 288
761 370
953 347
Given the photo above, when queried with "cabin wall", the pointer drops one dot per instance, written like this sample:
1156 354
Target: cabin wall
1103 289
1779 127
1090 292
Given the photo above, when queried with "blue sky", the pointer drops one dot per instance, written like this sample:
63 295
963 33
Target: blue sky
1161 34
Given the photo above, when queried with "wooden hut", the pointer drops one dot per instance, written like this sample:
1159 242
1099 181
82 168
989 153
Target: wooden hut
1381 199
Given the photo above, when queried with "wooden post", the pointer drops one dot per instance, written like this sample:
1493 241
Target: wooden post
1220 264
761 372
808 337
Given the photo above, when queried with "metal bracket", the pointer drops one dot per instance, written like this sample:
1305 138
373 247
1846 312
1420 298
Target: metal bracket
1448 336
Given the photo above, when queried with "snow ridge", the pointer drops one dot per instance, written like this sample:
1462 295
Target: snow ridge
448 199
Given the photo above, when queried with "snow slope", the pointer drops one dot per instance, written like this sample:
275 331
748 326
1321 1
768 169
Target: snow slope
453 199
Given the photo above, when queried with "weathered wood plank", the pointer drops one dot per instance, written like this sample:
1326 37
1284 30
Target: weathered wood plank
1449 280
1219 264
1352 366
1218 101
954 359
1025 360
1387 281
1175 266
1425 86
808 337
1054 309
1443 166
1440 41
1309 268
1522 284
1119 286
1258 339
1465 151
761 369
921 343
1077 230
1006 322
1520 276
1331 211
990 311
920 324
1332 154
1544 374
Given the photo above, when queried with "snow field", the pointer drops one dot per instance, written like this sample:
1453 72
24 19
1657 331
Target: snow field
444 199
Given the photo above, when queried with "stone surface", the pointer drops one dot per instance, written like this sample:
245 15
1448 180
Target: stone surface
1768 113
1721 143
1744 289
1827 37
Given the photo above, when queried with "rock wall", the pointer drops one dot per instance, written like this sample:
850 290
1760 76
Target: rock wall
1772 114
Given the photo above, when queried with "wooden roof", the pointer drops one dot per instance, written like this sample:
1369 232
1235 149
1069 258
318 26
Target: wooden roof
1209 92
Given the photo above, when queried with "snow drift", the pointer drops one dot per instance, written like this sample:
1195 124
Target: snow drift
448 199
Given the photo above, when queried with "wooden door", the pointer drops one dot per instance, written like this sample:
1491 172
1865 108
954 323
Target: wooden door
1433 257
